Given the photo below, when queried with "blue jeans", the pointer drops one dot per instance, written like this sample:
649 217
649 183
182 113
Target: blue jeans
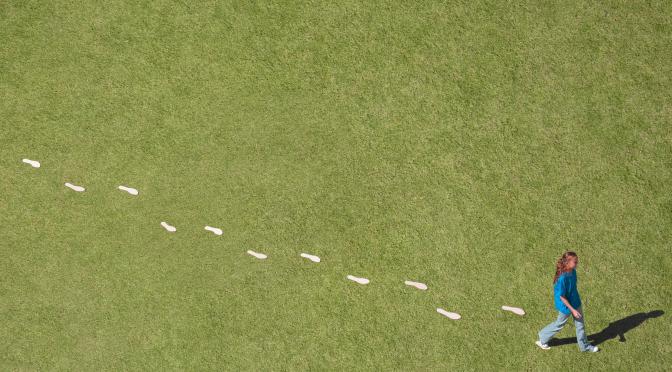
550 330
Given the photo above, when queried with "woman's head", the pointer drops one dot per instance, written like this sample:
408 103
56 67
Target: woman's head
567 262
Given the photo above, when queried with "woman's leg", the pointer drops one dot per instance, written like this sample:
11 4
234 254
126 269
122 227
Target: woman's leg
550 330
581 338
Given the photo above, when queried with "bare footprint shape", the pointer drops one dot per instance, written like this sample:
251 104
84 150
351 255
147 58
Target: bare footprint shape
310 257
260 256
515 310
453 316
74 187
214 230
33 163
358 280
129 190
420 286
168 227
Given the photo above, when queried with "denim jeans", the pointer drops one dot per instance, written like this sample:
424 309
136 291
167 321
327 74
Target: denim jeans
550 330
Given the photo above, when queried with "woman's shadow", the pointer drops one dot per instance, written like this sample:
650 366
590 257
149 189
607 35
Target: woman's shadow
613 330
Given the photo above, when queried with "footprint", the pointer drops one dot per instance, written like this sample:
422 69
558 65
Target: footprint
129 190
215 230
515 310
421 286
74 187
453 316
33 163
310 257
260 256
358 280
168 227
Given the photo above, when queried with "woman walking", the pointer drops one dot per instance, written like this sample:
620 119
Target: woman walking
567 302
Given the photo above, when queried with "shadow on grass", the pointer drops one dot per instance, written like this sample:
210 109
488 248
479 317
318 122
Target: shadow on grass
613 330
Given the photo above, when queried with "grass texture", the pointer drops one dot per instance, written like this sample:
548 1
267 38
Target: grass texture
462 144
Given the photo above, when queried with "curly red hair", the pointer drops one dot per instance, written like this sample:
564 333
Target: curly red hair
561 265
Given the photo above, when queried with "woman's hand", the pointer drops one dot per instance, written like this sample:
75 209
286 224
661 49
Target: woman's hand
575 313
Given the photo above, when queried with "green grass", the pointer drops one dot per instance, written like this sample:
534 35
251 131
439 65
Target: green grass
465 145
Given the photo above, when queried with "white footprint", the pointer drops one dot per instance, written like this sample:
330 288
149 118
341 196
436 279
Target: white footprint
453 316
215 230
168 227
33 163
310 257
421 286
515 310
129 190
260 256
358 280
74 187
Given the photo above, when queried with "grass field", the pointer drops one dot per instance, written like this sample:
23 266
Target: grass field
464 145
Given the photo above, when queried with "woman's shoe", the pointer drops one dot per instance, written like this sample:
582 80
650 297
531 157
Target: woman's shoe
592 349
543 346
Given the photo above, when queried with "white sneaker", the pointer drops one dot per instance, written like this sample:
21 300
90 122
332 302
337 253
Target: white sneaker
592 349
543 346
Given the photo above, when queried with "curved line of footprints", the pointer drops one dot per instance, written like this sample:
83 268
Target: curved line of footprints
262 256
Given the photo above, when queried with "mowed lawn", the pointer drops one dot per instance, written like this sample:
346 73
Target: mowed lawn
464 145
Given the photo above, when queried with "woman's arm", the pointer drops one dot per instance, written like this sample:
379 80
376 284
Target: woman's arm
573 310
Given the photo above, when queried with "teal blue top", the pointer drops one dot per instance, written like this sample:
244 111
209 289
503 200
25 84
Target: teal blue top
566 287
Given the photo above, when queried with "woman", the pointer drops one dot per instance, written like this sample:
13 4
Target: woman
567 302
